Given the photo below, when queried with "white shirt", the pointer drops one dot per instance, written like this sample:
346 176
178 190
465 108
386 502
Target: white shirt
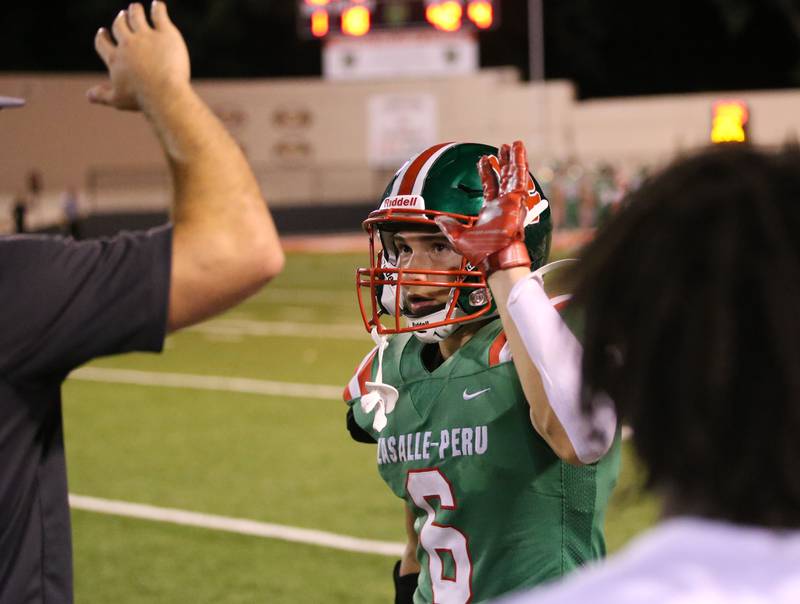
687 561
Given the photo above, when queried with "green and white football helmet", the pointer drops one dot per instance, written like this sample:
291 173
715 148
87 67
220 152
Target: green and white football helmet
443 180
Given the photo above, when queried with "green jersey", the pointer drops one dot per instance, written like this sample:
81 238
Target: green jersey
496 510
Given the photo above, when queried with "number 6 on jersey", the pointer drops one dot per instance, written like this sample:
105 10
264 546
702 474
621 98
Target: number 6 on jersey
437 539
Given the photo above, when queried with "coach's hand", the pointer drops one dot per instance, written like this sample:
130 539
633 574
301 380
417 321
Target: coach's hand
224 243
495 241
146 65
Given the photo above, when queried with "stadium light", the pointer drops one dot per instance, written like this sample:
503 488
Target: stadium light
356 21
446 15
320 23
360 17
729 121
481 13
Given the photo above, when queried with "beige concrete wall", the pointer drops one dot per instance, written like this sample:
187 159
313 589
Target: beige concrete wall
307 139
59 133
653 129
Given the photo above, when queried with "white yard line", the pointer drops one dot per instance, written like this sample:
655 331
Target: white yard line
324 297
207 382
235 525
246 327
225 384
223 523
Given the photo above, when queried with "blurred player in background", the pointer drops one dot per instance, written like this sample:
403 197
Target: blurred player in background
692 296
65 302
474 401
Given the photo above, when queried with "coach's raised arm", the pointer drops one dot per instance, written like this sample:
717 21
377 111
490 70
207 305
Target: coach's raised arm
225 245
66 302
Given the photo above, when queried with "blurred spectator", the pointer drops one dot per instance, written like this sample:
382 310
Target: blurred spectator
19 211
587 202
34 185
70 207
583 196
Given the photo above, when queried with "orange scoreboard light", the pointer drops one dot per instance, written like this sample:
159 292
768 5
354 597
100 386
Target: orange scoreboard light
355 18
729 121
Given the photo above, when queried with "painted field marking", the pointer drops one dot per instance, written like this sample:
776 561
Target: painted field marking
324 297
235 525
347 242
246 327
220 383
207 382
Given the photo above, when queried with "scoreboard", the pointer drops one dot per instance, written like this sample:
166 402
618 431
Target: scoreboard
355 18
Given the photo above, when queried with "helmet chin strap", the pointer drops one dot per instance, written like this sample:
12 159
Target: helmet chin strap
438 334
380 398
435 334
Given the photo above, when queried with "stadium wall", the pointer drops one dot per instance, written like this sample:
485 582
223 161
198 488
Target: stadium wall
312 142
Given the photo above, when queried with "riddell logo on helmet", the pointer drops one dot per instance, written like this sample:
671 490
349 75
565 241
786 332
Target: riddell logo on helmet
414 202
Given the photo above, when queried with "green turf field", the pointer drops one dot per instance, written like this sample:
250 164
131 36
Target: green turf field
276 459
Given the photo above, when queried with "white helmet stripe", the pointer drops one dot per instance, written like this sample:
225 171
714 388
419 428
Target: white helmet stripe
399 177
412 175
419 183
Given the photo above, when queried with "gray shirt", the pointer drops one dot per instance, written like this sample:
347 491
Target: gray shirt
62 303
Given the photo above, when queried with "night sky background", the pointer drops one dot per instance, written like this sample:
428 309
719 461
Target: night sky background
608 48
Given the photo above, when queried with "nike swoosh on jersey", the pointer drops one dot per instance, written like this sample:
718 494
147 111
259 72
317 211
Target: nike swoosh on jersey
468 396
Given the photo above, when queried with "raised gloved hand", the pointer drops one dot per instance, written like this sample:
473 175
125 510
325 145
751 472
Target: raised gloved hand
496 240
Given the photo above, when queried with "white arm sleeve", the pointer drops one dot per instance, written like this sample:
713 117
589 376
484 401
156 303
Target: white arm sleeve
557 354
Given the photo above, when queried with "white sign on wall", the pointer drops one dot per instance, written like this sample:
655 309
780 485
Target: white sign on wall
415 54
400 125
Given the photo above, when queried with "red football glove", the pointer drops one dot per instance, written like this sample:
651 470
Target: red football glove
496 240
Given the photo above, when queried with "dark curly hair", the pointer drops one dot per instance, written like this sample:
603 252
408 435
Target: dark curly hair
692 302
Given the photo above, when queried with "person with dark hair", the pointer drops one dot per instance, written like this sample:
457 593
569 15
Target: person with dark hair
66 302
692 326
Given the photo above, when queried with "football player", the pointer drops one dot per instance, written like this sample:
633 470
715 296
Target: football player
472 392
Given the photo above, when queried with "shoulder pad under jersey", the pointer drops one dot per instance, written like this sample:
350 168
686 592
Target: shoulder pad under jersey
355 387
